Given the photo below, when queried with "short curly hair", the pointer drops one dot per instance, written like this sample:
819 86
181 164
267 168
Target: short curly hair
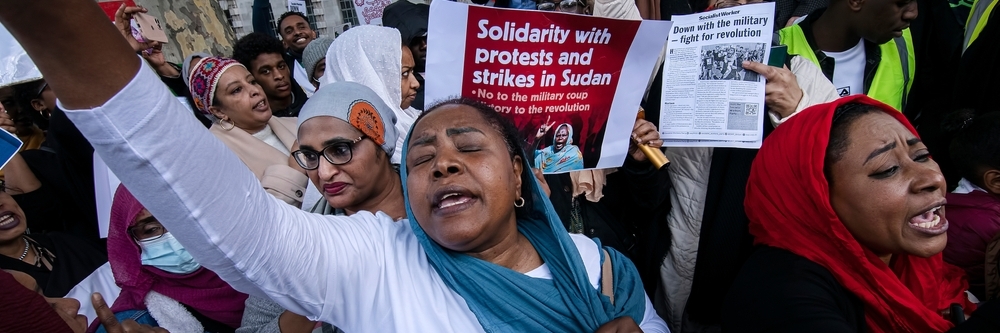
290 14
253 45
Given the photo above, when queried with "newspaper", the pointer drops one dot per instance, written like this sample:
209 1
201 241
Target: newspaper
709 100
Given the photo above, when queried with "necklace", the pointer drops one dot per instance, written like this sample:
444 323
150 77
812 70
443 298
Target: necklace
25 253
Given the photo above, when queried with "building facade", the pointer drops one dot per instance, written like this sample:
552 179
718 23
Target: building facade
327 17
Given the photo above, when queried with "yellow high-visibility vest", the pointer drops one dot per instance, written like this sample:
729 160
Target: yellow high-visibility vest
893 77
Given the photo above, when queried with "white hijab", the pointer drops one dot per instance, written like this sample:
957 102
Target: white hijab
372 56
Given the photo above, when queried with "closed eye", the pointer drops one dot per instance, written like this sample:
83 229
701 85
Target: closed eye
885 173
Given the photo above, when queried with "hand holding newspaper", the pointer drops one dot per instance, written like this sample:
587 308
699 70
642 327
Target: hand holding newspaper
709 99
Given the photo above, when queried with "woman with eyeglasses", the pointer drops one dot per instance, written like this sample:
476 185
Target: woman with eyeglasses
346 153
58 261
224 89
162 284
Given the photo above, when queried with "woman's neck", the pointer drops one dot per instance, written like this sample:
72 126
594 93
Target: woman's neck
514 251
254 130
13 248
388 200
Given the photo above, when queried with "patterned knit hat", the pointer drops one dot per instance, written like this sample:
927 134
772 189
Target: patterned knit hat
204 78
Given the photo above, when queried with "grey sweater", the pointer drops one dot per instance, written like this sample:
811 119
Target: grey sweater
261 316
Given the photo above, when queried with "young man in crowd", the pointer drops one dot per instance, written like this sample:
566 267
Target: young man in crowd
296 34
411 21
263 57
863 47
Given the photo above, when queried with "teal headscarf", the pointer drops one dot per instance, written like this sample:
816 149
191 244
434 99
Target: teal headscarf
504 300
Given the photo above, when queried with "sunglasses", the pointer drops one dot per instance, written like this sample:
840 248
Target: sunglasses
42 89
339 153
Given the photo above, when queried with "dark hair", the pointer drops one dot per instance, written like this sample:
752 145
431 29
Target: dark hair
248 48
290 14
503 126
843 117
24 93
976 146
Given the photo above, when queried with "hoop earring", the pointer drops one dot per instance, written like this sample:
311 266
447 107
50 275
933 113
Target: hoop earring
222 123
519 202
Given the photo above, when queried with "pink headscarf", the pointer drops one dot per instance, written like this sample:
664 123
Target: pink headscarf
202 290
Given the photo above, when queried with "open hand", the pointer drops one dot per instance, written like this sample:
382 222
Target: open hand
546 126
782 92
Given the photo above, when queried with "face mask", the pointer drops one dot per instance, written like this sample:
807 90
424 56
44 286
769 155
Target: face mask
168 255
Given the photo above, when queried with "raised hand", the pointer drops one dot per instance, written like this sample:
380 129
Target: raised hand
123 19
546 126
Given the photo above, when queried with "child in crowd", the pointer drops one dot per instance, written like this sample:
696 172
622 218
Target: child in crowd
974 207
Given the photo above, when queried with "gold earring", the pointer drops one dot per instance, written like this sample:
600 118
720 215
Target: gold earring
223 121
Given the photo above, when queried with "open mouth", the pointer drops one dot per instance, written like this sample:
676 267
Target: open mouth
260 106
8 220
930 221
300 40
452 199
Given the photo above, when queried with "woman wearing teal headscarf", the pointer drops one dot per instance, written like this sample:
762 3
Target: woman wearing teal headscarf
481 251
562 155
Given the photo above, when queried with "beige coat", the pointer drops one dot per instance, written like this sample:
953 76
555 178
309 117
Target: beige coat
267 163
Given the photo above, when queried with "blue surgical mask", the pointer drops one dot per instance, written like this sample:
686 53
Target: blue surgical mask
167 254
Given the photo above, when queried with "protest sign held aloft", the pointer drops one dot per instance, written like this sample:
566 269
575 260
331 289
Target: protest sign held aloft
708 98
571 83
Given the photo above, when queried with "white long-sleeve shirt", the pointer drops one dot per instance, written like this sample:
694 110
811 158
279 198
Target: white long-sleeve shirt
362 273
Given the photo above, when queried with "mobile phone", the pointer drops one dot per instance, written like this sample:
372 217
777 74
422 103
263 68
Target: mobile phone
149 27
778 55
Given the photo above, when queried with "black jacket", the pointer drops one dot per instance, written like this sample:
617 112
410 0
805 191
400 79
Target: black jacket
631 217
779 291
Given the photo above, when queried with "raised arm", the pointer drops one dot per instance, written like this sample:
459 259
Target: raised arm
187 178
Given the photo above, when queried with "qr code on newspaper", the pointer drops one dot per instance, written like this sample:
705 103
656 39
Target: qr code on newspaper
743 116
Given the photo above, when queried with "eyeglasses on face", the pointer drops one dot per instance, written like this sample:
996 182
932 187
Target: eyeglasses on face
146 231
338 153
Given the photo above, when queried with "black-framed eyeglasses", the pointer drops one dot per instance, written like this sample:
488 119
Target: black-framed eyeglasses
337 154
147 231
565 5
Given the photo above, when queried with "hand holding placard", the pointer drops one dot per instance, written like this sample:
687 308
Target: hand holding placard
10 144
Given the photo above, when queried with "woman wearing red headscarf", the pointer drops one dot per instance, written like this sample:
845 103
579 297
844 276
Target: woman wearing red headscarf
847 208
162 285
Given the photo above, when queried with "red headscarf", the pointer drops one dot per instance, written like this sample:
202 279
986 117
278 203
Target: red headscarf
792 211
201 290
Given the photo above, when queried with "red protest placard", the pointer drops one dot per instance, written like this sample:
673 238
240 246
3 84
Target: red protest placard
570 83
111 7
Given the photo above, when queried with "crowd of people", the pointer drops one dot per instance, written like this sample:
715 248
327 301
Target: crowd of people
304 184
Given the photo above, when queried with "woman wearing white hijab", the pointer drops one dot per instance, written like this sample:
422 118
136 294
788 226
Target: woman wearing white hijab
374 56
